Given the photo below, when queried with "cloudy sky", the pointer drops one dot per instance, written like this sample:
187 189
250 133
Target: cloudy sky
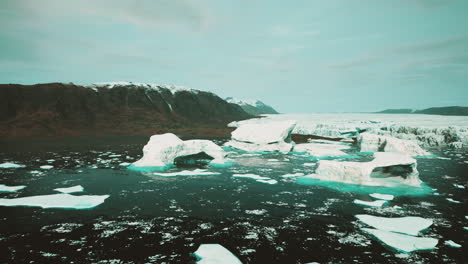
299 56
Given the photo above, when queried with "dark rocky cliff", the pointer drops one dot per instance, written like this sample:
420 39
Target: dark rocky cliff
57 108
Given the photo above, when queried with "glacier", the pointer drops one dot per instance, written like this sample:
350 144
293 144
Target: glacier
425 130
163 151
62 200
215 254
265 137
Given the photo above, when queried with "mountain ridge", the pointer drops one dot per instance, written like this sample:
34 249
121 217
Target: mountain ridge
253 107
445 110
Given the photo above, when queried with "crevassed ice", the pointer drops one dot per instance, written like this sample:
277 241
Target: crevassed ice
61 200
215 254
411 225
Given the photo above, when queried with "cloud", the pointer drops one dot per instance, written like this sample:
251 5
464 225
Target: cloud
162 14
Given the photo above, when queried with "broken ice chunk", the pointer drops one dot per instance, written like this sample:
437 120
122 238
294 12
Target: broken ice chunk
402 242
215 254
10 165
452 200
197 172
61 200
4 188
256 178
381 196
450 243
377 203
73 189
46 167
410 225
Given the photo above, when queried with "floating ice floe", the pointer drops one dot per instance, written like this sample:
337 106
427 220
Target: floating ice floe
10 165
459 186
167 149
215 254
377 203
46 167
61 200
4 188
371 143
256 178
74 189
291 175
321 150
402 242
125 164
452 200
198 172
410 225
387 169
451 243
381 196
273 136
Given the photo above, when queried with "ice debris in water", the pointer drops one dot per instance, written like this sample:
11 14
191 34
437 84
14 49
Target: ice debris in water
402 242
74 189
377 203
125 164
162 150
290 175
381 196
452 200
4 188
451 243
215 254
46 167
10 165
410 225
61 200
272 136
198 172
256 177
459 186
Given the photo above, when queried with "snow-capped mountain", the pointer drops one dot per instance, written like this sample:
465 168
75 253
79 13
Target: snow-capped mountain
253 107
59 108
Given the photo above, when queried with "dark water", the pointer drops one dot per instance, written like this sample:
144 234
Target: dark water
150 219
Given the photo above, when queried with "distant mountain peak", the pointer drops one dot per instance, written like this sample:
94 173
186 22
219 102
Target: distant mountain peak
251 106
152 86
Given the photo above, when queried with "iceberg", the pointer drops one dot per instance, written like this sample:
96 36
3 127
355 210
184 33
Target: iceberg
10 165
377 203
321 149
269 137
197 172
368 142
73 189
381 196
167 150
387 169
215 254
402 242
61 200
410 225
4 188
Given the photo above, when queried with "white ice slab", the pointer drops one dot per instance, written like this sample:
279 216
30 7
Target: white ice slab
268 181
215 254
256 178
382 196
197 172
4 188
410 225
377 203
11 165
46 167
292 175
402 242
451 243
453 201
61 200
74 189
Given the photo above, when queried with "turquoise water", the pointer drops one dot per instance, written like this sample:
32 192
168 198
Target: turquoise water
150 219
